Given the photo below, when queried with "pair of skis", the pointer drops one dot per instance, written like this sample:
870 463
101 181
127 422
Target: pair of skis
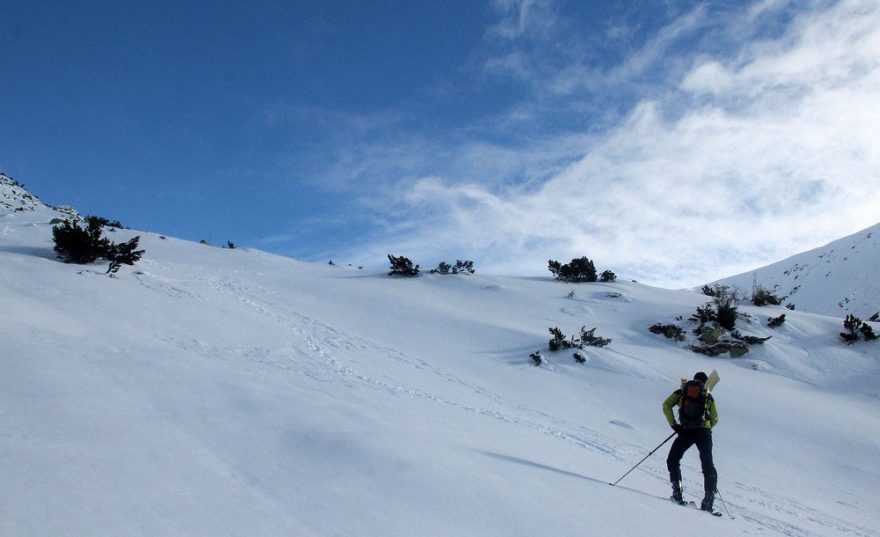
688 503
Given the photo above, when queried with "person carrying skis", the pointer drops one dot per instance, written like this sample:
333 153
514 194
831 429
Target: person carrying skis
697 416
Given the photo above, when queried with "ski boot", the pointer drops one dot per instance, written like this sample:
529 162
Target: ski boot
708 501
677 492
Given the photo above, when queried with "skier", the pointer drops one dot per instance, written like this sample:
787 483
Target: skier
697 414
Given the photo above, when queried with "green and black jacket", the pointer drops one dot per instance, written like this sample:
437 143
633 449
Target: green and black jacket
675 399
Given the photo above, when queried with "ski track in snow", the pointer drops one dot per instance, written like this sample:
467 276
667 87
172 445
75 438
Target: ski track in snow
315 351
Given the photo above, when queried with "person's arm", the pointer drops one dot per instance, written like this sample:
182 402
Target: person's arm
670 402
713 412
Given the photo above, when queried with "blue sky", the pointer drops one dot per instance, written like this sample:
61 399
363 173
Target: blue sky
672 142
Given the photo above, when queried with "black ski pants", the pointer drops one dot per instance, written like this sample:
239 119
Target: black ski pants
702 437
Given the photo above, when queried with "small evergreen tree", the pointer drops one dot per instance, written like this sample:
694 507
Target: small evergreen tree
761 296
442 268
721 310
726 315
589 338
101 221
80 245
401 266
123 254
852 325
460 267
671 331
774 322
705 314
608 276
557 341
855 329
578 270
463 267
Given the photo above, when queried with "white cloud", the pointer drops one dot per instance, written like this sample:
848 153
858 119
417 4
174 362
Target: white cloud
765 151
708 77
653 50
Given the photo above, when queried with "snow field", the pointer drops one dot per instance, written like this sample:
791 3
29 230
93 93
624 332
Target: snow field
229 392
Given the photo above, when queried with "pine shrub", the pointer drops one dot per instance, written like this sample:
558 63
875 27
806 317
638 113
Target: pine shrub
705 314
442 268
762 296
401 266
123 254
558 341
726 315
80 245
671 331
588 338
774 322
461 267
578 270
722 310
856 329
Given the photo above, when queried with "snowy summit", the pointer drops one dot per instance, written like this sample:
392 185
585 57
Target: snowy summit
211 391
837 279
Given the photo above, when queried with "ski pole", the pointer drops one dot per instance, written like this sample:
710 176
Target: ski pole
718 492
643 460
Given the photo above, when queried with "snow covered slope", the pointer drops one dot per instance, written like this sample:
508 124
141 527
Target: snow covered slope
837 279
216 392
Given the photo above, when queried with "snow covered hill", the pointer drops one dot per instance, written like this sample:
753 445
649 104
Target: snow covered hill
837 279
226 392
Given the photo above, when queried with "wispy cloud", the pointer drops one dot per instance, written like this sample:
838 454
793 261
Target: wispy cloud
518 18
742 155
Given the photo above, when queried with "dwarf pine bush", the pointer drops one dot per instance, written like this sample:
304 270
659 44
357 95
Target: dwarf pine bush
402 266
80 245
578 270
75 244
762 296
856 329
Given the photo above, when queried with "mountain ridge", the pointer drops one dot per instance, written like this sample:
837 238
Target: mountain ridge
837 279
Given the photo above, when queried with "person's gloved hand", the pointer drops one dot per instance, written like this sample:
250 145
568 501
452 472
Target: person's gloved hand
678 428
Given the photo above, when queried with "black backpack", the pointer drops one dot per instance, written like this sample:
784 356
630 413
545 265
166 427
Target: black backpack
692 407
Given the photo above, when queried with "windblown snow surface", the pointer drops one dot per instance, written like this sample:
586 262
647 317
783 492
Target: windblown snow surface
218 392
